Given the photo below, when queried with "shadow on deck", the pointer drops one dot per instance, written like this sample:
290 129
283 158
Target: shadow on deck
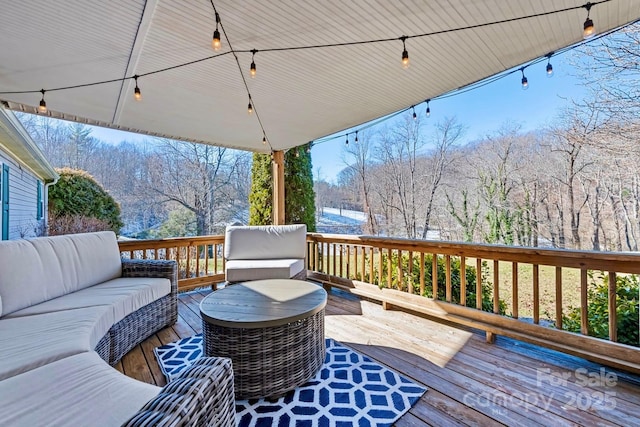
470 382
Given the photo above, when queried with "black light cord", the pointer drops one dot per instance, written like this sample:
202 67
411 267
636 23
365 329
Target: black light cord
403 38
252 103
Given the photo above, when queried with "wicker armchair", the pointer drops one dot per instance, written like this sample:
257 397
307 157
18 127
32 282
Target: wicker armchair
202 396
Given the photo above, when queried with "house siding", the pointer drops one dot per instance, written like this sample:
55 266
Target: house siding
23 198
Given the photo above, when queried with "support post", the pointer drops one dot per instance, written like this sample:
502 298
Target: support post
278 187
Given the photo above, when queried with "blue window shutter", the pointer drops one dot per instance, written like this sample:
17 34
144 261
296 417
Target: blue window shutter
4 189
39 207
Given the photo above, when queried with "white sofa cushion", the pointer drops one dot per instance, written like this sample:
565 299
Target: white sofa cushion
41 269
123 295
75 391
29 342
265 242
252 269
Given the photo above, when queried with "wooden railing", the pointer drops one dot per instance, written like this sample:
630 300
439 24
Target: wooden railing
200 259
370 267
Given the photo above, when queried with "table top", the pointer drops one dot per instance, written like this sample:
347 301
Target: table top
263 303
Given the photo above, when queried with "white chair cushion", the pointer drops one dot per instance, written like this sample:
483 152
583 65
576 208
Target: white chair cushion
79 390
265 242
29 342
244 270
44 268
124 296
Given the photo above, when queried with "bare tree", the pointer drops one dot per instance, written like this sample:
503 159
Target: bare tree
448 132
358 161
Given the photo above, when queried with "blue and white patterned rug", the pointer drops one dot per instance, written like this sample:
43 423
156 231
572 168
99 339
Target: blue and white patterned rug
349 390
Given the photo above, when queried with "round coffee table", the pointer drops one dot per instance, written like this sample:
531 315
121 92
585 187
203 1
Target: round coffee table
272 330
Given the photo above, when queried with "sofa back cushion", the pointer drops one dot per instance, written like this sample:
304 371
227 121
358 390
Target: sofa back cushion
265 242
37 270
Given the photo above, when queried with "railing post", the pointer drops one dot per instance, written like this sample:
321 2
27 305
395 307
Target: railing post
278 188
613 307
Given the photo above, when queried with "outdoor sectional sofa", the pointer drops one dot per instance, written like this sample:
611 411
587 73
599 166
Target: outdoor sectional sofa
69 308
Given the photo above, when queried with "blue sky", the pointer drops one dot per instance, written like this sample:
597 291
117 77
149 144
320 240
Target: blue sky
482 111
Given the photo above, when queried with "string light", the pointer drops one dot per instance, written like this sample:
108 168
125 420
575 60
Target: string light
549 66
43 104
589 29
356 137
137 95
525 82
250 106
264 140
428 112
252 69
346 141
215 43
405 54
415 116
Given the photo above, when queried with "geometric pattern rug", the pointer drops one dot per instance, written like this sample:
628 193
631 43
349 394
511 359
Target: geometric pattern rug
349 390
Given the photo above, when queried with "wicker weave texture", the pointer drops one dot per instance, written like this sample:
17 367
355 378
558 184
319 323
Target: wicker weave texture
201 396
268 362
140 325
144 322
103 348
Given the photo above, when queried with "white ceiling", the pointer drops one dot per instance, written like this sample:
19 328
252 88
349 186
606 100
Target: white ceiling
300 95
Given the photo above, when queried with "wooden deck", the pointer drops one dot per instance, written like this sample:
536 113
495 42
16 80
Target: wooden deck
470 382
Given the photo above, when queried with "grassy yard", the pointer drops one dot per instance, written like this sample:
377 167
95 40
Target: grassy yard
547 280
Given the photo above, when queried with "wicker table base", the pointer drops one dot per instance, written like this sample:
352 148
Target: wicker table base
270 357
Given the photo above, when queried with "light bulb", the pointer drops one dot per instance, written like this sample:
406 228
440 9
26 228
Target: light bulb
549 69
346 141
405 54
356 137
405 59
415 116
589 29
252 68
428 112
137 95
249 108
42 108
525 82
215 43
264 140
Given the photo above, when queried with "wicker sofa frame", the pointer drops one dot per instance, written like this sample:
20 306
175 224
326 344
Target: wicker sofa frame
202 396
141 324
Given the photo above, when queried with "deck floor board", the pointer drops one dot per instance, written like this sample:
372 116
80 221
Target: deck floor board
470 382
